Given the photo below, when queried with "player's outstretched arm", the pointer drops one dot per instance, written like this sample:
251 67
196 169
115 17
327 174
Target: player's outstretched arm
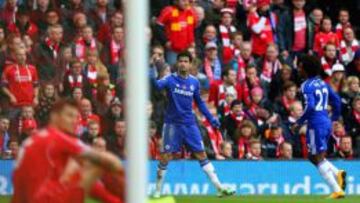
335 102
158 84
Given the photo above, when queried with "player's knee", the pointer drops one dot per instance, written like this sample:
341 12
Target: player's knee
200 156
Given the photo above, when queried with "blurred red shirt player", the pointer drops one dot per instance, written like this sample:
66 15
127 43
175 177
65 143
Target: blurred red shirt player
39 171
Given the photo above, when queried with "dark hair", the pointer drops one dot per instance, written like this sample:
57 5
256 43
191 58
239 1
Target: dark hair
62 103
225 72
184 54
311 65
235 103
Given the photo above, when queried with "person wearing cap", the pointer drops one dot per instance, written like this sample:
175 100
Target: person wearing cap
212 65
338 77
226 29
263 24
176 26
23 25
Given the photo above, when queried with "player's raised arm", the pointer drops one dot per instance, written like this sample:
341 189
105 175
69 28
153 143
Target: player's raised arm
309 104
202 107
158 84
335 103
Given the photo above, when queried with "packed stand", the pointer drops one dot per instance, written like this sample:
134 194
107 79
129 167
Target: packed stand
245 57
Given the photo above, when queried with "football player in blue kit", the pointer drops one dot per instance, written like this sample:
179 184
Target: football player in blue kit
180 127
318 95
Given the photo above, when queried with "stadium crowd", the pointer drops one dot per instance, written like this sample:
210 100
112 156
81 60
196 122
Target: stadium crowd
244 55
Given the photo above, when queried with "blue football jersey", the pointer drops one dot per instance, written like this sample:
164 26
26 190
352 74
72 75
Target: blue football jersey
318 95
181 93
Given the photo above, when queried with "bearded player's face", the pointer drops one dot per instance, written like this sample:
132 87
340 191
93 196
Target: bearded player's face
67 119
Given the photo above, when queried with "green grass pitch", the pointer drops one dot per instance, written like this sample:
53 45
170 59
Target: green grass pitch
248 199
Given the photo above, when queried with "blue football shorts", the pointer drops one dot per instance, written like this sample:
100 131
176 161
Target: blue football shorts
175 136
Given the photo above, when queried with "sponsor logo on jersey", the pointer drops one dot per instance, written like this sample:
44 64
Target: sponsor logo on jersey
183 92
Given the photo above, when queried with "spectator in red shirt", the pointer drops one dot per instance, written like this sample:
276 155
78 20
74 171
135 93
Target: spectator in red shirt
324 37
227 85
20 82
23 25
176 25
8 13
262 23
104 32
344 22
